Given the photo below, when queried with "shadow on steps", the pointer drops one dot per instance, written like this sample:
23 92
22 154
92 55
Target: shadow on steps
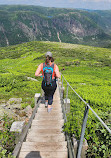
33 154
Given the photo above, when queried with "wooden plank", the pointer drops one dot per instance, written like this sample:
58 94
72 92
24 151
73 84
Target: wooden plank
51 138
42 134
47 127
45 131
44 146
48 118
41 154
48 123
53 110
54 107
43 113
32 135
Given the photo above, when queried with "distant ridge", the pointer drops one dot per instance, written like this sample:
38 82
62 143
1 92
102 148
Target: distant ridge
21 23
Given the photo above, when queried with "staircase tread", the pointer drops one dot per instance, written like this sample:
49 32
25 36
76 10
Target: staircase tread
44 146
53 110
46 127
48 123
51 138
45 130
46 135
43 113
42 154
48 118
48 115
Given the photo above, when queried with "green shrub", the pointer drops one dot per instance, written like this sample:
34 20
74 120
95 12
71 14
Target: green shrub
7 138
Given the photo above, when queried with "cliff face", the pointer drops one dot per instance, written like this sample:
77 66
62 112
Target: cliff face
71 27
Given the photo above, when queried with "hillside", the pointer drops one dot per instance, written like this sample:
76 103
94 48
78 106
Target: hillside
105 20
87 69
20 24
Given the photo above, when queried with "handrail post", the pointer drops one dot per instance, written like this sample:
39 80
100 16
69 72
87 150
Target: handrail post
67 96
83 131
62 87
62 82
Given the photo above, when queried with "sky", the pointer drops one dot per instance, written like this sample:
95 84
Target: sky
84 4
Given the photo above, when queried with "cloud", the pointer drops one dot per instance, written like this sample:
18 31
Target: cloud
97 1
86 4
72 1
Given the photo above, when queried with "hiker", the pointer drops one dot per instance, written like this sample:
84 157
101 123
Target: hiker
50 72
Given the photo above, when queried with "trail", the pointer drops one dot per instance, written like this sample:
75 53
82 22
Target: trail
5 36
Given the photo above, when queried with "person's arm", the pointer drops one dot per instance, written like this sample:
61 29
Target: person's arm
37 73
57 72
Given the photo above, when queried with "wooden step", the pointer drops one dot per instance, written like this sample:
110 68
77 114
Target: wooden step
48 118
47 127
57 102
51 138
49 131
54 107
48 123
44 146
54 104
53 110
45 114
40 132
52 113
34 135
42 154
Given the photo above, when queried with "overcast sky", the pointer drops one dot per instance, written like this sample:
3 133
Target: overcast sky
85 4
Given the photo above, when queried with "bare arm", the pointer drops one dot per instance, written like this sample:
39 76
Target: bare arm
37 73
57 72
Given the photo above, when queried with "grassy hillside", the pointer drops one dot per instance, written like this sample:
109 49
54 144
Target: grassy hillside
87 69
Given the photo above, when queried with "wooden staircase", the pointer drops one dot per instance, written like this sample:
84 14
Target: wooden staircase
45 138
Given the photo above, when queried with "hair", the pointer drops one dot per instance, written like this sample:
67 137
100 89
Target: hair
48 59
52 60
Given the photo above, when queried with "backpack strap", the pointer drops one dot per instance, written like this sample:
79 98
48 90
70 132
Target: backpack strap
43 65
53 75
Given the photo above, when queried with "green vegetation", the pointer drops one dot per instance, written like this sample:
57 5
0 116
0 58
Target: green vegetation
87 69
7 138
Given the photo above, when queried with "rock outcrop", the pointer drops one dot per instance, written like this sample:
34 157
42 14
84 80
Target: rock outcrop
13 109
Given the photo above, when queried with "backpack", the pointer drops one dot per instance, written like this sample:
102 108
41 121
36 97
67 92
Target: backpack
48 71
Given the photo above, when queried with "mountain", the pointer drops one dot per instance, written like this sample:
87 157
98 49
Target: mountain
103 19
20 24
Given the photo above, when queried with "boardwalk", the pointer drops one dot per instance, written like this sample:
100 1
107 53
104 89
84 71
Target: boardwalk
45 139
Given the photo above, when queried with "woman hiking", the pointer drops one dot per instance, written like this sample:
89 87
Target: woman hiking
50 72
